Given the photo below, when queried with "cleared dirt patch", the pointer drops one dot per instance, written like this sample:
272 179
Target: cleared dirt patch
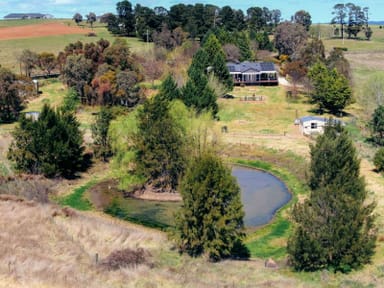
40 30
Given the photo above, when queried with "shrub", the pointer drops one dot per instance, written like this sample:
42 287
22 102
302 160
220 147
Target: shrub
378 159
126 258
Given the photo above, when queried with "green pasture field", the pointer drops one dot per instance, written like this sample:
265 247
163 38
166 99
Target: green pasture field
325 33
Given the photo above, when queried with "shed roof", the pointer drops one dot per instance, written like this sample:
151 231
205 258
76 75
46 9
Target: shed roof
24 15
319 119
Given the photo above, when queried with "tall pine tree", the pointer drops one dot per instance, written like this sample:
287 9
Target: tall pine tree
217 61
335 226
169 89
101 142
197 93
210 221
159 145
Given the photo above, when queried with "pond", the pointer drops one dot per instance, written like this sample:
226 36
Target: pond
262 195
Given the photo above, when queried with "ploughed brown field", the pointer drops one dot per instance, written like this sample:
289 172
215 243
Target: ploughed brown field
40 30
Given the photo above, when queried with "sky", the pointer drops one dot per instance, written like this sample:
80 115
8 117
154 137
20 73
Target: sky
320 10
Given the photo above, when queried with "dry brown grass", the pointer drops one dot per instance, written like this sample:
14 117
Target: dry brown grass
48 246
40 247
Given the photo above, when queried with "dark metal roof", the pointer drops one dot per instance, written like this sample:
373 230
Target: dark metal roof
24 15
247 65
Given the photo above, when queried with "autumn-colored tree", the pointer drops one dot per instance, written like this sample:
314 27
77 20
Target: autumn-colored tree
296 70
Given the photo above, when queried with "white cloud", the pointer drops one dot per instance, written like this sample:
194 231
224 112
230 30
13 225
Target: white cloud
63 2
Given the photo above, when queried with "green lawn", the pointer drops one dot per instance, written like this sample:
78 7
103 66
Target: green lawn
76 199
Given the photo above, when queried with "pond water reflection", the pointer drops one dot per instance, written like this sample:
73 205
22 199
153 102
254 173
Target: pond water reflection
262 195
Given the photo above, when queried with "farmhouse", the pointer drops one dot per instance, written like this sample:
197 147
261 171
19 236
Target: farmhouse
253 73
312 125
14 16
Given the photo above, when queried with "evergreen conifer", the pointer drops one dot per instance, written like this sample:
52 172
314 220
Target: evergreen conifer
159 145
210 221
335 226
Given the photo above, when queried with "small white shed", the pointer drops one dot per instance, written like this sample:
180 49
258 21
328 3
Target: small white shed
312 125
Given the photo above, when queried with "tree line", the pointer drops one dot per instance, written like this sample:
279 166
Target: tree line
195 19
352 20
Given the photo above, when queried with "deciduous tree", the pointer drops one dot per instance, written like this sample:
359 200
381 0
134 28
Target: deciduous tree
47 62
28 61
289 38
296 71
339 10
331 90
91 18
125 18
77 18
10 100
337 60
304 18
77 73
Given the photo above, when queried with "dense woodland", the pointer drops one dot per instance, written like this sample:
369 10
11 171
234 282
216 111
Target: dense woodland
333 229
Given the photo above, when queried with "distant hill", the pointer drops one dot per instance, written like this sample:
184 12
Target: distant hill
376 22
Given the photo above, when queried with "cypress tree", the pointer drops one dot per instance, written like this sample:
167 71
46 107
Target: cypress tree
52 145
101 141
243 43
168 89
217 60
335 226
210 221
197 93
159 145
